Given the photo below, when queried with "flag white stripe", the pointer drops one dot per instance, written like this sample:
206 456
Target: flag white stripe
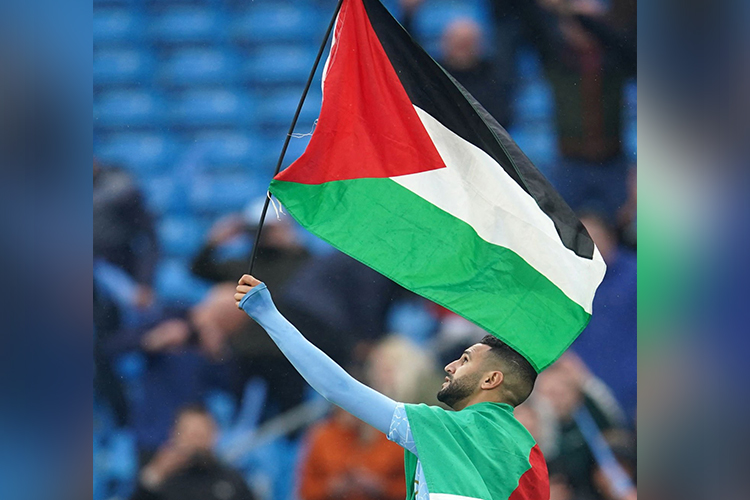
448 496
478 191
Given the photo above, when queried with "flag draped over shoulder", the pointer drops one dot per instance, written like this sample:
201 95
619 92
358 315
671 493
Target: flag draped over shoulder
480 452
407 173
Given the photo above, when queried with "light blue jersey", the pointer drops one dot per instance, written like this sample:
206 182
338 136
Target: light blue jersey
332 381
400 433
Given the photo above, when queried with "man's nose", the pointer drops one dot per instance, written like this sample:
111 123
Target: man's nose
449 368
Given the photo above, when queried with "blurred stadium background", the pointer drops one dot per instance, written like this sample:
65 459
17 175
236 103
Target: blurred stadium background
192 101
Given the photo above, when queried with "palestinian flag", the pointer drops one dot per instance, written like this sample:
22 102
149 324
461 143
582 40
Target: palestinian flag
407 173
479 453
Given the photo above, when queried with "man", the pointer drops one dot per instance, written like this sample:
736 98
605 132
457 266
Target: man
123 230
186 357
186 468
282 257
489 78
478 451
608 344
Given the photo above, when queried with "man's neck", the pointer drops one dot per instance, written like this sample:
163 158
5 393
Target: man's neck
482 397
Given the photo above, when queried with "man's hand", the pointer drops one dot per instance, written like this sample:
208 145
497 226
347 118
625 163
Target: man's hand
245 284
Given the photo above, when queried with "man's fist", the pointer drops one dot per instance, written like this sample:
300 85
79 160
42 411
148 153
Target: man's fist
245 284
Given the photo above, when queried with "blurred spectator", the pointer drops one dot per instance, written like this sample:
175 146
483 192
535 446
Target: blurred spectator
402 370
453 335
107 385
464 59
567 387
185 468
608 345
627 217
340 304
186 356
226 257
537 415
347 458
623 446
463 56
559 483
123 230
124 237
226 253
588 51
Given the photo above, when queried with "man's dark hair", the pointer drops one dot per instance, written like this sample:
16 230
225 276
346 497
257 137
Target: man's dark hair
519 375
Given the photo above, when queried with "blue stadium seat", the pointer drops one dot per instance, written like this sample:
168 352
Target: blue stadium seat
277 66
277 110
122 67
175 284
274 144
223 407
630 130
534 103
296 147
630 139
116 463
129 108
116 26
230 150
392 5
213 108
118 3
630 100
539 142
215 194
319 4
200 67
431 20
130 366
168 3
165 194
187 25
273 23
180 236
529 65
413 320
143 153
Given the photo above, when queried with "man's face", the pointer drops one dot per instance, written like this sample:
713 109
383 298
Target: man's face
463 377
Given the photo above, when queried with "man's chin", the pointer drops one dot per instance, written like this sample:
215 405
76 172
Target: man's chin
441 396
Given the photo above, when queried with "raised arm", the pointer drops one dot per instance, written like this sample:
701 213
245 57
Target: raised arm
320 371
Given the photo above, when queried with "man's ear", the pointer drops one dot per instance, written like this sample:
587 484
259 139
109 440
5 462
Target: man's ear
492 380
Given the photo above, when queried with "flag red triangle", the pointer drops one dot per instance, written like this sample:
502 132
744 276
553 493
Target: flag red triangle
534 483
368 127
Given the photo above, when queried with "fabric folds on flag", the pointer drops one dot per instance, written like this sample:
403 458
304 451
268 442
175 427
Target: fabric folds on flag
407 173
479 453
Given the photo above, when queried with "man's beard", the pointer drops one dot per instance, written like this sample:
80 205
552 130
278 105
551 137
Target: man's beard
458 389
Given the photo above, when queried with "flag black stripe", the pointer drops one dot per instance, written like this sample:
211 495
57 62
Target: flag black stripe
433 90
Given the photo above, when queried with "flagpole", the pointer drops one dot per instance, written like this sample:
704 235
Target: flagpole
291 130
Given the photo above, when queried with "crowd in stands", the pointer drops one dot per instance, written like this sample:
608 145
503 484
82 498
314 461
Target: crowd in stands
192 399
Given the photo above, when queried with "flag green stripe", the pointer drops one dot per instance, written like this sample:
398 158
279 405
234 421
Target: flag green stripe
440 257
479 452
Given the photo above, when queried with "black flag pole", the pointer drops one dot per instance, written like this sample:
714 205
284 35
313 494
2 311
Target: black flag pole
291 131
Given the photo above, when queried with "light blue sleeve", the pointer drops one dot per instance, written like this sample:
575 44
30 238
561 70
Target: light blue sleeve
320 371
400 430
